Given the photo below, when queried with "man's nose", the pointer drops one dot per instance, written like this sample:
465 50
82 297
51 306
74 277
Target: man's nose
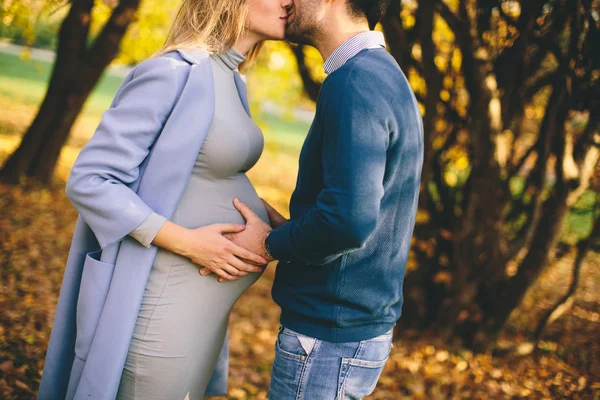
287 4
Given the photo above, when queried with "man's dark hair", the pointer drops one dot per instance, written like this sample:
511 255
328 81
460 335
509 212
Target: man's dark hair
373 10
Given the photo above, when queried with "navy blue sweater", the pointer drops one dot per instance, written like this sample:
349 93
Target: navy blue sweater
343 254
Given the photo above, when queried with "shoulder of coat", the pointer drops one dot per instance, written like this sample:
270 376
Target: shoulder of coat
192 56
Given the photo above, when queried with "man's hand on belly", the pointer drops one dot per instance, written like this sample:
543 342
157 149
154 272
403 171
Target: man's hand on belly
275 217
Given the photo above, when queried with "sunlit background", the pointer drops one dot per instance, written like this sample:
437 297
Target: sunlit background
502 293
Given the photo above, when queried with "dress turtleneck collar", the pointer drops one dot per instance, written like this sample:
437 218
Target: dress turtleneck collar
231 58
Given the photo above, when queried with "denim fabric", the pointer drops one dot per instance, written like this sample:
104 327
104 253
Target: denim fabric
313 369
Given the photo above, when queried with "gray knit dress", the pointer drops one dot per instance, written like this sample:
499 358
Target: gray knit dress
183 318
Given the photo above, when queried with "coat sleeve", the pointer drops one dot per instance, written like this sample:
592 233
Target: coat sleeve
99 185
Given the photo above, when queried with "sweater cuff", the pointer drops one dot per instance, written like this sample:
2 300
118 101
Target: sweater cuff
147 231
279 244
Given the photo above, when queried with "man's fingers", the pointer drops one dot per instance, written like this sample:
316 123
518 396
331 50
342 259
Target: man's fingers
246 212
248 255
229 275
223 274
234 270
243 267
229 228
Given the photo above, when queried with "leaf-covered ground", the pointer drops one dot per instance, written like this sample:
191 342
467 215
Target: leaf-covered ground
35 231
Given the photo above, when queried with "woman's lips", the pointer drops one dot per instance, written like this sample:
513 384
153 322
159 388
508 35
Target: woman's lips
288 16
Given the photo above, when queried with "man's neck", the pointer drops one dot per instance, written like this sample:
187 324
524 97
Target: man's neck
336 33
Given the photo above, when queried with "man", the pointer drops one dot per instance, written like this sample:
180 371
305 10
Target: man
342 255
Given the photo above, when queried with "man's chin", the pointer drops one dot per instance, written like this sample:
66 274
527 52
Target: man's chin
290 36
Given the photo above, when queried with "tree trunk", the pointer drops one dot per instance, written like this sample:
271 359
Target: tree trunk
536 260
566 301
476 249
397 38
433 77
72 36
76 72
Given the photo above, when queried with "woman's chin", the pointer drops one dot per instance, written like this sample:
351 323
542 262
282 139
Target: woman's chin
277 35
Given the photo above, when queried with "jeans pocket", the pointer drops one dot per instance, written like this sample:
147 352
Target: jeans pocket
95 281
289 345
288 365
358 376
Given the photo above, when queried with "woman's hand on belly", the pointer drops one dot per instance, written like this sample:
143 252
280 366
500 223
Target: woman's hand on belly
208 248
254 236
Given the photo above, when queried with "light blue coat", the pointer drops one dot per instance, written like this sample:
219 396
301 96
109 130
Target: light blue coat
139 160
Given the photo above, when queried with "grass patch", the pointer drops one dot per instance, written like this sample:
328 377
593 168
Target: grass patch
25 81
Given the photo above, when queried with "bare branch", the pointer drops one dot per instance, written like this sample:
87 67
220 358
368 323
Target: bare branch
587 138
311 86
541 82
449 16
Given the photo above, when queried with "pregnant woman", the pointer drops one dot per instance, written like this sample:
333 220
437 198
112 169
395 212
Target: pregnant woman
154 188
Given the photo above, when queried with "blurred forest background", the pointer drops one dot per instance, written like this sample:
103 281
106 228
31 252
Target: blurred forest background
502 292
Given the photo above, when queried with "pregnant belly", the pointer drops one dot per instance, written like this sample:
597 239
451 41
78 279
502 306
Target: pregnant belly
207 201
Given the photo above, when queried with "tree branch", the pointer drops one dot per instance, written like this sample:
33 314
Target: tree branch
113 31
541 82
311 86
449 16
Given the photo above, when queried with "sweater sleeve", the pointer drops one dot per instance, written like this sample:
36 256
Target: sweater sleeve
355 142
147 231
99 183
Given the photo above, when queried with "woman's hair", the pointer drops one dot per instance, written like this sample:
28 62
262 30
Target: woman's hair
211 25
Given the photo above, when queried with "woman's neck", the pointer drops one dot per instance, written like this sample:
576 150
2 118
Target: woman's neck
246 42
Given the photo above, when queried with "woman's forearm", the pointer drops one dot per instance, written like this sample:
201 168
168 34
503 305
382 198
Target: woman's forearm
207 247
174 238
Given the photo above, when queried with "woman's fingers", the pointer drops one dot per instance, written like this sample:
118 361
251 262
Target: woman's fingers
241 252
243 267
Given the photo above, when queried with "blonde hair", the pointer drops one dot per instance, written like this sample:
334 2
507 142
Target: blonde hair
211 25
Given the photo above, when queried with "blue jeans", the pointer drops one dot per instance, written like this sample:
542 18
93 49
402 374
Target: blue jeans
313 369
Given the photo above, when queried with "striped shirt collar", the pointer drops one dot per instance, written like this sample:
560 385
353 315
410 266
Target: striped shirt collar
351 47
